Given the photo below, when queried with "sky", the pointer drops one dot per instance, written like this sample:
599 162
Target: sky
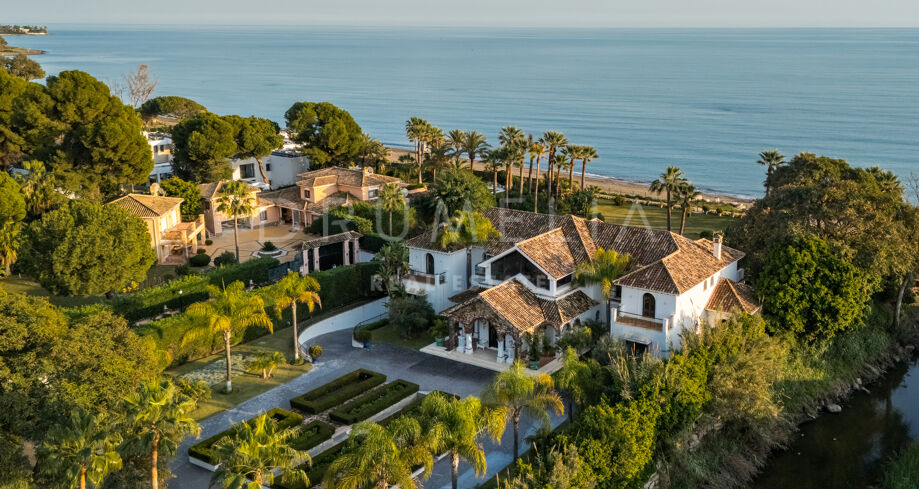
472 13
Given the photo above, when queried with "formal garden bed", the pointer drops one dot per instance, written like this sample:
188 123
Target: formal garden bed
203 450
312 434
373 402
338 391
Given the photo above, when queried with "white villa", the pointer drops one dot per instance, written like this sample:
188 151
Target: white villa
522 282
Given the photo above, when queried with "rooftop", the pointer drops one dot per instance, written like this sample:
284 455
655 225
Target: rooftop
351 177
147 206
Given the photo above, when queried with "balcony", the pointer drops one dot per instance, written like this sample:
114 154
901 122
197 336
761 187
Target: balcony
184 232
637 321
426 278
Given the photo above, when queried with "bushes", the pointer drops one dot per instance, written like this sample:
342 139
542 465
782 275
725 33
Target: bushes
373 402
200 260
203 450
255 271
226 258
344 285
410 315
337 391
312 434
315 351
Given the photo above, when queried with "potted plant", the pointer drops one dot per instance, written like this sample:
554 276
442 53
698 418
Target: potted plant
315 352
363 335
439 331
534 347
548 351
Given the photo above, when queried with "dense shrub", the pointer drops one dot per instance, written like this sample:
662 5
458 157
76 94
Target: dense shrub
208 242
373 402
410 315
200 260
254 271
373 242
345 285
312 434
337 391
204 450
226 258
315 469
269 246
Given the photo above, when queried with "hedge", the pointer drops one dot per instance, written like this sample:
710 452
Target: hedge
337 391
373 242
373 402
315 470
312 434
343 285
204 450
413 408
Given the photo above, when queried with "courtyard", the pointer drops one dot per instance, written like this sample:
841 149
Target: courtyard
251 240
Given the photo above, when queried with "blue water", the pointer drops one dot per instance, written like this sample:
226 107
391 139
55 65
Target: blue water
705 100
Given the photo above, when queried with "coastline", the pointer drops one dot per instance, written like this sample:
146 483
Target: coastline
611 185
13 51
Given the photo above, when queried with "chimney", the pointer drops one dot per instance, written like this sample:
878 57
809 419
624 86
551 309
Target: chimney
716 246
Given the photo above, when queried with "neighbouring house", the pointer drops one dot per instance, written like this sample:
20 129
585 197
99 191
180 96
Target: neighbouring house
320 190
282 168
523 283
328 252
174 241
263 212
161 146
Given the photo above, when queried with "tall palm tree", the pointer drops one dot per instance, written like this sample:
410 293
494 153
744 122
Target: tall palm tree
587 153
467 229
474 144
572 378
886 180
438 157
157 419
37 187
519 392
393 258
456 139
552 140
686 198
537 149
458 423
561 162
668 182
80 449
391 200
415 129
573 152
515 141
255 449
296 289
603 270
771 159
494 161
431 137
9 244
235 201
229 311
378 457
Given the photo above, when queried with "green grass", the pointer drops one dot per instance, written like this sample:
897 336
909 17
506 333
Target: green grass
16 285
655 217
903 472
389 334
246 386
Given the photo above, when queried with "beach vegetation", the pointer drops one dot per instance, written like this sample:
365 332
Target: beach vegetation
22 66
669 183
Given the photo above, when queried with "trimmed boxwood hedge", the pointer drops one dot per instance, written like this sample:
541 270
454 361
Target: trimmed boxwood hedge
368 404
203 450
312 434
337 391
316 470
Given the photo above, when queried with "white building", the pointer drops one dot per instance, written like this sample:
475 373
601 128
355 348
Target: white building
522 282
282 168
161 146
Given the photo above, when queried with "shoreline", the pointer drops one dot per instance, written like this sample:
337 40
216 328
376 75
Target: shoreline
14 50
611 185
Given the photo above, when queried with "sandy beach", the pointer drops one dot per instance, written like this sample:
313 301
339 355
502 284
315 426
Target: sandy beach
608 184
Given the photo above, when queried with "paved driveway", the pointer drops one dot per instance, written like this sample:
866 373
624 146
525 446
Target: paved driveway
339 358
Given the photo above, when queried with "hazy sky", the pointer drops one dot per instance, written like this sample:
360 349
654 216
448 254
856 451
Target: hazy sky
469 13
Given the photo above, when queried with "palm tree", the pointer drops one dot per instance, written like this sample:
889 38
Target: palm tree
572 378
456 139
415 129
437 158
37 187
771 159
886 180
587 153
494 160
235 201
296 289
552 140
80 449
432 137
668 182
603 270
9 244
561 162
521 393
537 149
378 457
515 141
229 311
157 418
686 197
574 152
255 449
391 200
467 229
457 424
393 258
474 144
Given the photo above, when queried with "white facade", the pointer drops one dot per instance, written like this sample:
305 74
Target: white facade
281 168
445 279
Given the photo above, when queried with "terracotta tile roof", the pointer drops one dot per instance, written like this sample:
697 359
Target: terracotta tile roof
334 200
466 295
565 309
730 296
211 190
682 270
344 176
550 251
328 240
148 206
286 197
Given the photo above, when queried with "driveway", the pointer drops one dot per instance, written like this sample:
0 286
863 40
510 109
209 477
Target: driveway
339 358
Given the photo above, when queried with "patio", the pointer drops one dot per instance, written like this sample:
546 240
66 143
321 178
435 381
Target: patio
252 240
486 358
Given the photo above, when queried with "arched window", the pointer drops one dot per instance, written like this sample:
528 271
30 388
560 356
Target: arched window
647 306
429 264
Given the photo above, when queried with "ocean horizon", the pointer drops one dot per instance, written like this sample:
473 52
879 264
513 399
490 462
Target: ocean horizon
706 100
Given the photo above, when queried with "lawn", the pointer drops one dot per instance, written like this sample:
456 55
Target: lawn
246 386
15 284
655 217
389 334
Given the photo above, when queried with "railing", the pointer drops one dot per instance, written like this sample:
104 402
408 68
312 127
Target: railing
426 278
637 321
181 231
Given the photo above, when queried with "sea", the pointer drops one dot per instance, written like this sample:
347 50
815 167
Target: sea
705 100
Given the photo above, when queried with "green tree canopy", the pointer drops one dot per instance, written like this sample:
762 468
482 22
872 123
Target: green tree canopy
256 138
12 202
331 135
22 66
180 107
458 187
810 291
176 187
203 143
86 248
26 118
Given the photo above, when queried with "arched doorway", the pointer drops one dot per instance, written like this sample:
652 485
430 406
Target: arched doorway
648 307
429 264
